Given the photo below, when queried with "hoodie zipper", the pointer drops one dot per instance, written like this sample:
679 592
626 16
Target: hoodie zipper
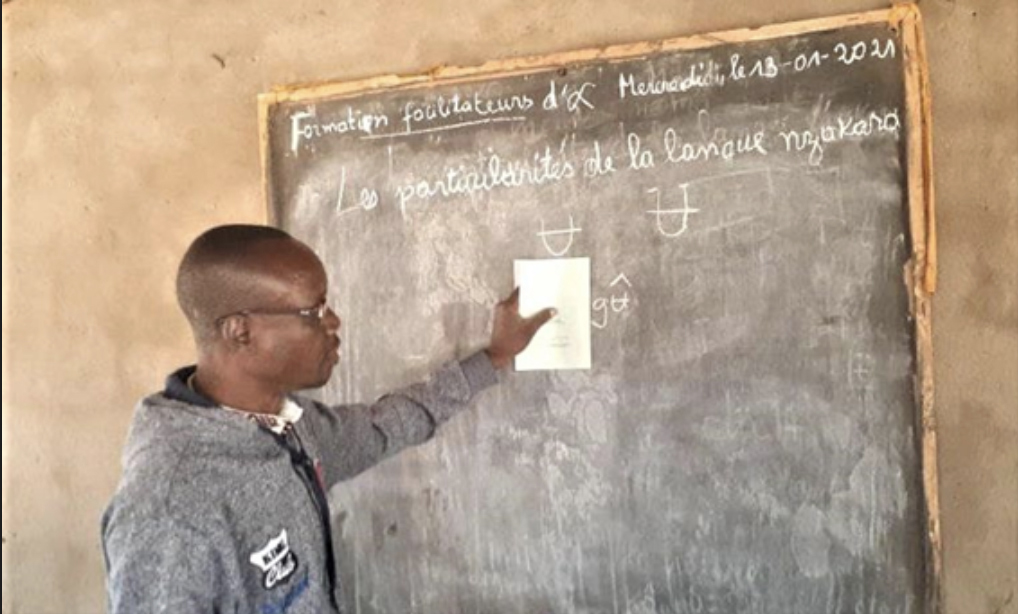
304 467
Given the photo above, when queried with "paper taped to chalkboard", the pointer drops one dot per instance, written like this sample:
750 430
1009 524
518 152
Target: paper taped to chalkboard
562 284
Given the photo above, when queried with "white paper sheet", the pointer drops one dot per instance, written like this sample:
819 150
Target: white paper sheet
562 283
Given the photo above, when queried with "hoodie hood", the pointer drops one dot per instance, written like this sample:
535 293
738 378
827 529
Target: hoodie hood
179 422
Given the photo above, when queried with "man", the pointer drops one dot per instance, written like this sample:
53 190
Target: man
222 506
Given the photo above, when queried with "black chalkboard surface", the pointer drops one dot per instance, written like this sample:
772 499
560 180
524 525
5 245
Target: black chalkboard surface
750 437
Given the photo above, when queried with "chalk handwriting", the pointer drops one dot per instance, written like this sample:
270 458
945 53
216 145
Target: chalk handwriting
459 110
850 54
305 126
699 75
475 106
846 54
617 302
843 127
569 232
720 144
683 212
444 128
574 98
598 164
620 279
639 157
366 201
492 172
739 69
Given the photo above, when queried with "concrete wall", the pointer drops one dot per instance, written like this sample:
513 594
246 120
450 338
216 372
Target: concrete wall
128 127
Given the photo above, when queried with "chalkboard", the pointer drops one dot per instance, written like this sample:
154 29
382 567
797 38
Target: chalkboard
755 433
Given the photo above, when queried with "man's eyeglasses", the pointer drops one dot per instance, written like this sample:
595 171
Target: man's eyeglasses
315 313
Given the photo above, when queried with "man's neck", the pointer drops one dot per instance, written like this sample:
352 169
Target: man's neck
236 392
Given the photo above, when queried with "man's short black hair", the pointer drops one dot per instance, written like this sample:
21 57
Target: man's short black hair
217 275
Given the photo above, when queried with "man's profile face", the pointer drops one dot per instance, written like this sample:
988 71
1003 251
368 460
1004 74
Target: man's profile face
289 349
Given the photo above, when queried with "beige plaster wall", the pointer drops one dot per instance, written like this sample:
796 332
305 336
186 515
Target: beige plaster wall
128 127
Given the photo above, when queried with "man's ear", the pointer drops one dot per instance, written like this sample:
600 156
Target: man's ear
235 330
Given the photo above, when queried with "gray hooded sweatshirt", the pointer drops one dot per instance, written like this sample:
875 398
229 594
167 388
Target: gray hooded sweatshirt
215 514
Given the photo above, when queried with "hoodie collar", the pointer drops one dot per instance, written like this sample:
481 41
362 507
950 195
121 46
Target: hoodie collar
178 389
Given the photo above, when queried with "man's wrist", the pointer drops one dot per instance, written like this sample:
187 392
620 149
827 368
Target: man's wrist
498 360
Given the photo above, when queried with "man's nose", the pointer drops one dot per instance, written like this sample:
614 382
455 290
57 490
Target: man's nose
332 321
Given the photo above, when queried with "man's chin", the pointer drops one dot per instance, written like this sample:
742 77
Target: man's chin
324 377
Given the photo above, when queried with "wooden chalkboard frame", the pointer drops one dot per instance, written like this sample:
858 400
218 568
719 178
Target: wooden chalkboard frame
920 272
